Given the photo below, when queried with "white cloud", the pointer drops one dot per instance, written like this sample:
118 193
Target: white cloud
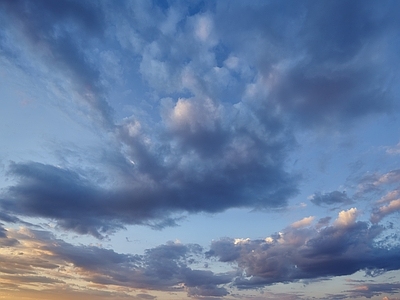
346 217
303 222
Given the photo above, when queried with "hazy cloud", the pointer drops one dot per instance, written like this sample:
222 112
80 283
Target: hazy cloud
161 268
370 290
331 198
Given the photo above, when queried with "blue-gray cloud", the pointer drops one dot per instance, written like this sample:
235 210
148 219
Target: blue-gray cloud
58 35
222 104
227 100
311 253
331 198
77 203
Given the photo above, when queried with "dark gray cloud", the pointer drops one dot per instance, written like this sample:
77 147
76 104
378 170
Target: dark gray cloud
321 69
207 291
331 198
340 249
240 176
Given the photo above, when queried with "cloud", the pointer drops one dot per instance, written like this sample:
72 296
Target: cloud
303 222
346 217
145 296
334 197
53 192
58 37
383 211
343 248
216 111
393 150
375 182
210 168
292 255
316 86
207 291
224 108
370 290
163 268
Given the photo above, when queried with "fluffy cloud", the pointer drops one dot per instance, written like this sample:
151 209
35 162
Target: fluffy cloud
346 217
221 104
343 248
303 222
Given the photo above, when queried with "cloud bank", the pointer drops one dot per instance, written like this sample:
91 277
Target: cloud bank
228 100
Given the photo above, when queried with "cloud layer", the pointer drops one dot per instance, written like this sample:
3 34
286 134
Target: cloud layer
225 108
296 254
200 107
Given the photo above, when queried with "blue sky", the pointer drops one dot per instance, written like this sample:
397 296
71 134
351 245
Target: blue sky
199 150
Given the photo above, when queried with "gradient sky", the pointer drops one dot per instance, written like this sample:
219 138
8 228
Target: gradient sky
199 150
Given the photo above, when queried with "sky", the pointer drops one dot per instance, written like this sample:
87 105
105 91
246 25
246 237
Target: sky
210 150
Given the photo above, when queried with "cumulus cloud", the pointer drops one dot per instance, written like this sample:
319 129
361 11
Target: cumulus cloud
303 222
343 248
215 96
224 104
305 84
346 217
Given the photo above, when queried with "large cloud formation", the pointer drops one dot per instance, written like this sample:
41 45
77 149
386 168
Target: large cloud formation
166 267
342 248
298 253
224 103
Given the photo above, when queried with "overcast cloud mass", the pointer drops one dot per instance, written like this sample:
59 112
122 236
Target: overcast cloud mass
199 150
